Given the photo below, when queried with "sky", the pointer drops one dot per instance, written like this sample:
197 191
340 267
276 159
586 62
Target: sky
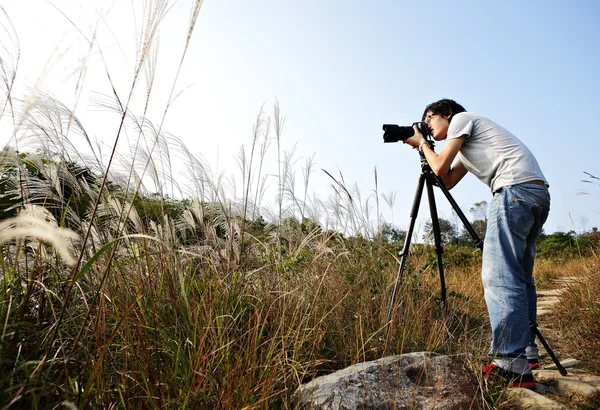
339 70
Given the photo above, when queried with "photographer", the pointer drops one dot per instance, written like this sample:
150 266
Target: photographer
516 214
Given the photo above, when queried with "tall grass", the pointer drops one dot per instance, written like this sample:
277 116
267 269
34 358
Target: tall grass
577 316
163 327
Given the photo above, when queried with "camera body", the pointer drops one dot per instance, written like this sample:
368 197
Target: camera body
395 133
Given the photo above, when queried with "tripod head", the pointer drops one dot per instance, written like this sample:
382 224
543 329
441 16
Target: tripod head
425 168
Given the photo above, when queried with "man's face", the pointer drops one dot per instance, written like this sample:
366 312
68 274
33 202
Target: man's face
438 125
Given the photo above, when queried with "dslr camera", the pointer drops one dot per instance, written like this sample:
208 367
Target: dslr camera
395 133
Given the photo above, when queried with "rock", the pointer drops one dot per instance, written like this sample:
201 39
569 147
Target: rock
570 388
567 280
542 388
415 380
548 301
550 292
590 379
531 400
549 375
567 364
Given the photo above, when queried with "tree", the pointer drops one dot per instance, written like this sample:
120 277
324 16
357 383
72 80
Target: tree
479 212
447 232
465 238
558 243
310 226
392 234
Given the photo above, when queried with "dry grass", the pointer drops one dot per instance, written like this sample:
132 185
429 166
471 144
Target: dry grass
547 271
156 327
577 316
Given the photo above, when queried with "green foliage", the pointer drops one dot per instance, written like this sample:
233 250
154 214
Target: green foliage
557 243
461 256
448 232
391 234
155 207
465 238
568 244
66 185
309 226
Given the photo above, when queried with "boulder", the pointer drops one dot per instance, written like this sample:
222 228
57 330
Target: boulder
421 380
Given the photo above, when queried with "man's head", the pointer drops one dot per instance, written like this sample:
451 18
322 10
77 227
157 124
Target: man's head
446 108
438 116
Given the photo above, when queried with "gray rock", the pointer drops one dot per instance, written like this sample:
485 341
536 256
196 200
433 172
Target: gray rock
550 292
527 399
567 364
570 388
415 380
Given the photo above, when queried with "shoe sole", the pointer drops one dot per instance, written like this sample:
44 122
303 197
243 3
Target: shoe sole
524 385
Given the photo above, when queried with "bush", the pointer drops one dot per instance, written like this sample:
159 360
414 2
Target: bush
567 244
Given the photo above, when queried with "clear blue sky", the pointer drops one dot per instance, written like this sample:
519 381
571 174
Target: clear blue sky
340 69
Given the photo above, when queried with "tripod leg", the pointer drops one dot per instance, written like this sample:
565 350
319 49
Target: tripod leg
537 332
437 237
405 249
459 212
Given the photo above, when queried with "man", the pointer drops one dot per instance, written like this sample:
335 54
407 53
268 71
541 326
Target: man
516 214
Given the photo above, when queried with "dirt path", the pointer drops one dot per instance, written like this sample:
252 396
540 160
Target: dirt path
579 389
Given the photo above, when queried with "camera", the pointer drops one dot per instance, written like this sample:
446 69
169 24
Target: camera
395 133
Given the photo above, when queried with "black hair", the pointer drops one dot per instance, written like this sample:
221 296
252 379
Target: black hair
444 107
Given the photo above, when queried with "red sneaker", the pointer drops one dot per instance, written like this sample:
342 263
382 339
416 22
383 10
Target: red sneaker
511 379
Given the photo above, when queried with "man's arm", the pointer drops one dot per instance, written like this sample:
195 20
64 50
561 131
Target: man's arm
453 177
440 164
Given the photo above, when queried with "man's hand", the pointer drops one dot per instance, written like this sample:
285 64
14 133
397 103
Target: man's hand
416 139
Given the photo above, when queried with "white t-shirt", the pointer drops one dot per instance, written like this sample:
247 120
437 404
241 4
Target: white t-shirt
492 153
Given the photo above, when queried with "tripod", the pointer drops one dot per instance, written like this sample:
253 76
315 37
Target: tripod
428 179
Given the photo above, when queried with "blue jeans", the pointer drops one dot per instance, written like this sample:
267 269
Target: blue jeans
515 218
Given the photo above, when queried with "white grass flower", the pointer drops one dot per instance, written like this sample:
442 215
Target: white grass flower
36 222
